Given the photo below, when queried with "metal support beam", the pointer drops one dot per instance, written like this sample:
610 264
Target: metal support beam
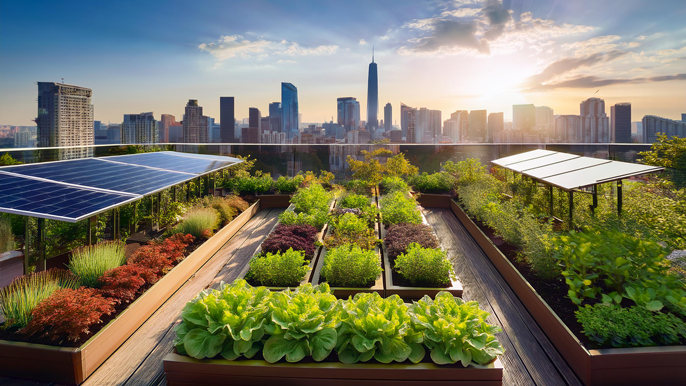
27 241
159 210
188 191
41 266
135 217
90 231
595 199
619 197
206 189
174 193
571 210
551 204
113 223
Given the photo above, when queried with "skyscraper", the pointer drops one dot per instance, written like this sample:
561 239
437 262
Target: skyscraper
523 117
139 128
567 128
653 126
372 96
620 123
275 117
289 110
411 121
65 118
496 124
166 120
194 123
254 117
478 119
388 116
348 109
404 111
595 126
461 117
227 120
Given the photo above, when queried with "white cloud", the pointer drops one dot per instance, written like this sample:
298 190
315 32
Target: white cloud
362 42
231 46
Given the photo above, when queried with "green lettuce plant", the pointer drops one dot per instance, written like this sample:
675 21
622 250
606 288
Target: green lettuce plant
303 323
373 327
229 321
455 331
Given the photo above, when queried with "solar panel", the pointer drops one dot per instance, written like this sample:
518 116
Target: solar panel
173 162
31 197
605 172
542 161
523 157
564 167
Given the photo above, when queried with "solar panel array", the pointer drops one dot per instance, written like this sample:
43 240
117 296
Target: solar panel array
571 171
76 189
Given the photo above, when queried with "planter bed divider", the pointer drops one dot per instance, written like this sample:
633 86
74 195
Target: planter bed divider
186 371
73 365
430 200
665 365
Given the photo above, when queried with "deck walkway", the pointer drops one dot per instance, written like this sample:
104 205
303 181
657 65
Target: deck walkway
530 359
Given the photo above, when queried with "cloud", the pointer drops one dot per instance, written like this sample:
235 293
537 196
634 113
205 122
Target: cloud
232 46
362 42
593 82
452 33
557 69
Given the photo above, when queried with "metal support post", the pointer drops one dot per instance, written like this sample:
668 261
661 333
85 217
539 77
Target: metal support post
550 206
595 199
90 232
619 198
188 191
27 239
571 209
174 193
159 209
135 217
41 266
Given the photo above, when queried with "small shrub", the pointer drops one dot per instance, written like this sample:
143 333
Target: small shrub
312 199
317 220
307 232
225 211
237 202
285 269
250 185
351 266
287 185
68 314
424 267
172 213
91 262
350 229
394 184
630 327
296 237
397 208
6 236
200 223
24 293
355 201
400 236
122 284
158 258
359 187
440 182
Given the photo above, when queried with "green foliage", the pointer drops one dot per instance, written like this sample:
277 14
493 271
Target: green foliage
630 327
303 324
317 220
285 269
6 160
250 185
424 267
668 152
351 266
466 172
455 331
20 298
369 170
286 185
313 198
441 182
200 223
229 321
394 184
172 214
351 229
397 208
398 166
90 262
6 236
354 201
373 327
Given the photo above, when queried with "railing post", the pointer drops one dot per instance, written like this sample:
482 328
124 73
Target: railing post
550 206
595 199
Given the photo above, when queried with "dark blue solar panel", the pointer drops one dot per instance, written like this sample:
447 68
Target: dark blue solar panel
172 161
61 202
104 175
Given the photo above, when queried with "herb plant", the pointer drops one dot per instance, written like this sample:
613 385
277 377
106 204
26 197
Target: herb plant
287 185
88 263
350 229
424 267
397 208
394 184
316 220
354 201
285 269
400 236
441 182
351 266
249 185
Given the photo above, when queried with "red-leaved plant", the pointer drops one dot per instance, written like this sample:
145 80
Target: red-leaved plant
159 258
68 314
122 284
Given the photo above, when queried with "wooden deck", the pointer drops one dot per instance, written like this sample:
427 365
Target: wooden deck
529 359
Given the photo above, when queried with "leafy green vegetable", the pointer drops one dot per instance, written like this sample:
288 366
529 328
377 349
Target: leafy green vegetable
351 266
303 323
455 331
372 327
229 321
424 266
285 269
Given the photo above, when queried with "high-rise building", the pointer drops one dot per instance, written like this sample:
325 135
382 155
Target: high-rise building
620 123
654 126
65 118
595 125
411 121
567 128
372 97
683 117
250 134
275 117
194 123
176 132
460 128
289 110
404 111
435 123
496 124
388 116
545 121
422 126
348 112
139 128
254 117
227 120
478 119
523 117
166 120
113 133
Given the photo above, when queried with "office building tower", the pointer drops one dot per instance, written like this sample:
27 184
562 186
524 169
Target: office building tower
275 117
166 120
227 120
213 130
460 127
254 117
683 117
523 117
435 125
289 110
372 96
620 123
348 110
567 128
422 126
654 126
413 135
595 125
478 119
176 132
139 128
97 126
250 134
496 124
194 123
114 133
404 111
65 118
544 116
388 116
265 124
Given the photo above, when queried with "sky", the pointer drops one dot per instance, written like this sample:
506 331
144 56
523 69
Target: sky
140 56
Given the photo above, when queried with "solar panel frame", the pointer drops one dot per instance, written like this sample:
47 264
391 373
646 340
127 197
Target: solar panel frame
541 161
172 162
564 167
529 155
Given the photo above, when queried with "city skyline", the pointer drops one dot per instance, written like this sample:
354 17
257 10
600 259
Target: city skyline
540 53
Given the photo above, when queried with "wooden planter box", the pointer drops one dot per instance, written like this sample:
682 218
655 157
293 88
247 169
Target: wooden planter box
73 365
429 200
186 371
274 200
616 366
11 266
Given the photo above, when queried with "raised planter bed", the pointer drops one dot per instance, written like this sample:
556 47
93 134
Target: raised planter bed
429 200
274 200
183 370
73 365
616 366
11 266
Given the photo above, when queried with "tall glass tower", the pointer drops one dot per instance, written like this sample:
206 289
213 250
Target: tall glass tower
372 97
289 110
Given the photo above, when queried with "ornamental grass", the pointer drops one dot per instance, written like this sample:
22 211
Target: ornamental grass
90 262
